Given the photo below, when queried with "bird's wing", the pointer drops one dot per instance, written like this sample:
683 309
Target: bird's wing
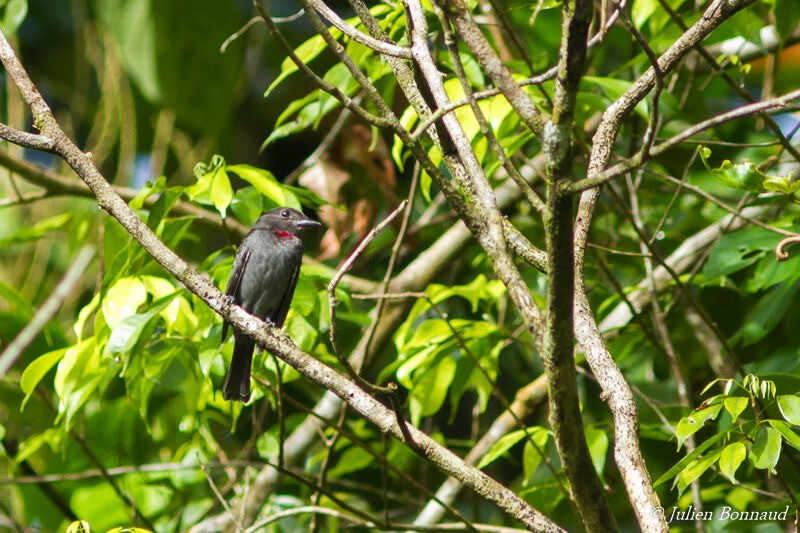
280 315
235 281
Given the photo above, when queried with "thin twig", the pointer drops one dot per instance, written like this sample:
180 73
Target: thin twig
305 364
621 168
485 128
221 499
710 197
324 85
334 302
384 47
384 285
249 23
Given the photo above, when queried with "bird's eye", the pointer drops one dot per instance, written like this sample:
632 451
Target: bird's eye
285 213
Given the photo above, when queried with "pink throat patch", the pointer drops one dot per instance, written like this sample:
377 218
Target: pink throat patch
284 234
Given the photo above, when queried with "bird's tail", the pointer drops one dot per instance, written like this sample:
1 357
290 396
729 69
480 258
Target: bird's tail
237 382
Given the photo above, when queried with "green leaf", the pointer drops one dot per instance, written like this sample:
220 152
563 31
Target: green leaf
480 289
128 22
98 505
266 184
641 11
473 70
79 527
165 202
207 189
123 299
597 439
353 459
267 446
430 389
766 448
731 457
789 406
15 12
312 108
532 453
499 448
37 370
427 335
743 176
221 191
127 332
693 423
694 470
769 272
425 182
50 436
787 17
735 405
680 465
736 251
16 301
305 52
614 88
302 332
644 11
247 205
408 119
766 314
77 377
213 185
303 112
171 52
785 184
38 230
786 432
146 191
84 315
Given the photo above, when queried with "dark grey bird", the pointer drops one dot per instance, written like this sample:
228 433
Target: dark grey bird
262 282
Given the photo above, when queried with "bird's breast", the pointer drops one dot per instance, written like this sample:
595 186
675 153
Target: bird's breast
268 275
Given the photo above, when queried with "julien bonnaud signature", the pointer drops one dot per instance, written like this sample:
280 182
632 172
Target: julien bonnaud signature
723 513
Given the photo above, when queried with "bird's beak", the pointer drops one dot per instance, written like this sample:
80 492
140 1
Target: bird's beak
307 222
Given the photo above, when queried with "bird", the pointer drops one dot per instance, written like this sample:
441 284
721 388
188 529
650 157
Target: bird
262 281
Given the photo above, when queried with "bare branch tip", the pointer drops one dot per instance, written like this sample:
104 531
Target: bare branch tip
781 254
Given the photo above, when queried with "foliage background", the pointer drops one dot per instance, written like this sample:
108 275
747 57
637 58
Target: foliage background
126 374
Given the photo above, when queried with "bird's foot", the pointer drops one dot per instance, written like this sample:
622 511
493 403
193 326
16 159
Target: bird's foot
269 324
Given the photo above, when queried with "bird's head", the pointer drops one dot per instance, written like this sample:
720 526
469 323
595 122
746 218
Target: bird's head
284 220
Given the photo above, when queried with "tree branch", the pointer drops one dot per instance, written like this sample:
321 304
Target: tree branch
383 46
458 12
606 134
621 168
267 338
588 496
